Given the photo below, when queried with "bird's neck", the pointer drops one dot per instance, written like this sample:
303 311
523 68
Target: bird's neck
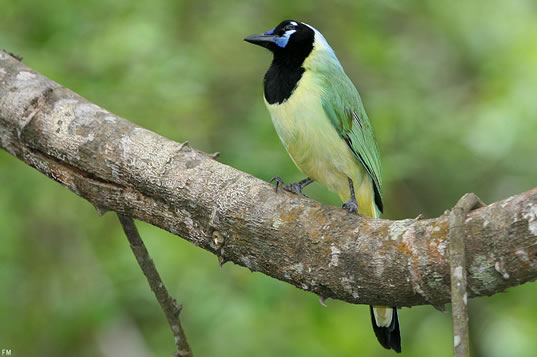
282 78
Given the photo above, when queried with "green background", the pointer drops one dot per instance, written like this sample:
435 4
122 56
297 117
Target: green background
449 86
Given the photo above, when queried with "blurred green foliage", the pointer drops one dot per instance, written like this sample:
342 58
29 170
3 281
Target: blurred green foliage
450 88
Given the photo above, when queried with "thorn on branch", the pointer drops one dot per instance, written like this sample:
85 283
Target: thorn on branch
222 261
214 155
100 210
218 243
186 144
178 307
469 202
441 308
322 301
17 57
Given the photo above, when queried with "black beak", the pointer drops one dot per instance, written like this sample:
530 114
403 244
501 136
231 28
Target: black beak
261 39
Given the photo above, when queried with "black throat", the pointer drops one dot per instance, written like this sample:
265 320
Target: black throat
286 70
281 80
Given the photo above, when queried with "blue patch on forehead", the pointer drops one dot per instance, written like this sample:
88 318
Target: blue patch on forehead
270 32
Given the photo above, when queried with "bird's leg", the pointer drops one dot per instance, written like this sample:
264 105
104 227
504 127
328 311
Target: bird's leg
351 205
292 187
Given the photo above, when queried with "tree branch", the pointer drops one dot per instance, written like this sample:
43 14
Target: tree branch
457 256
167 303
117 165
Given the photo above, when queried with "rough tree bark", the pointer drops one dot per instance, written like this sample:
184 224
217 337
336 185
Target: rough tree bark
117 165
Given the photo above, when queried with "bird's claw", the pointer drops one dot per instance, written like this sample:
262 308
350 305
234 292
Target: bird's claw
293 187
351 206
278 180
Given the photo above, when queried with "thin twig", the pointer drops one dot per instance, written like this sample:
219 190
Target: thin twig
457 256
167 303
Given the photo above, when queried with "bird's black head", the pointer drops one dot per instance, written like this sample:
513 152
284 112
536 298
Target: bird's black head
289 38
291 42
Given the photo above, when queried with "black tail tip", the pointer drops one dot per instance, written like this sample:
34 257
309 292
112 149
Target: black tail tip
389 337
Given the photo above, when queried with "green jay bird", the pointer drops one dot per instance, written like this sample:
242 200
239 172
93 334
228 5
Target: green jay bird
322 123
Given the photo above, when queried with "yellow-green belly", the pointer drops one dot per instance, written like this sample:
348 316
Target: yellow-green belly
316 148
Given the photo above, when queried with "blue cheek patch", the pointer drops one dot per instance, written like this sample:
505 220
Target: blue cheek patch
270 32
281 41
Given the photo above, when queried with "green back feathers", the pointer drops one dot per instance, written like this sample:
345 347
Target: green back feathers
343 106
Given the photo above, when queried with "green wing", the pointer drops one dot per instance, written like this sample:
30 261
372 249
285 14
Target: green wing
344 107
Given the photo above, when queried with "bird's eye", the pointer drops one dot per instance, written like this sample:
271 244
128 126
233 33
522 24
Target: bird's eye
288 28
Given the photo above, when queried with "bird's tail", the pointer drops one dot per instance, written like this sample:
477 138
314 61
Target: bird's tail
383 318
386 326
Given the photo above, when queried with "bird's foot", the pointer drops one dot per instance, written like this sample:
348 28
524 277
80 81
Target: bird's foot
292 187
351 205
